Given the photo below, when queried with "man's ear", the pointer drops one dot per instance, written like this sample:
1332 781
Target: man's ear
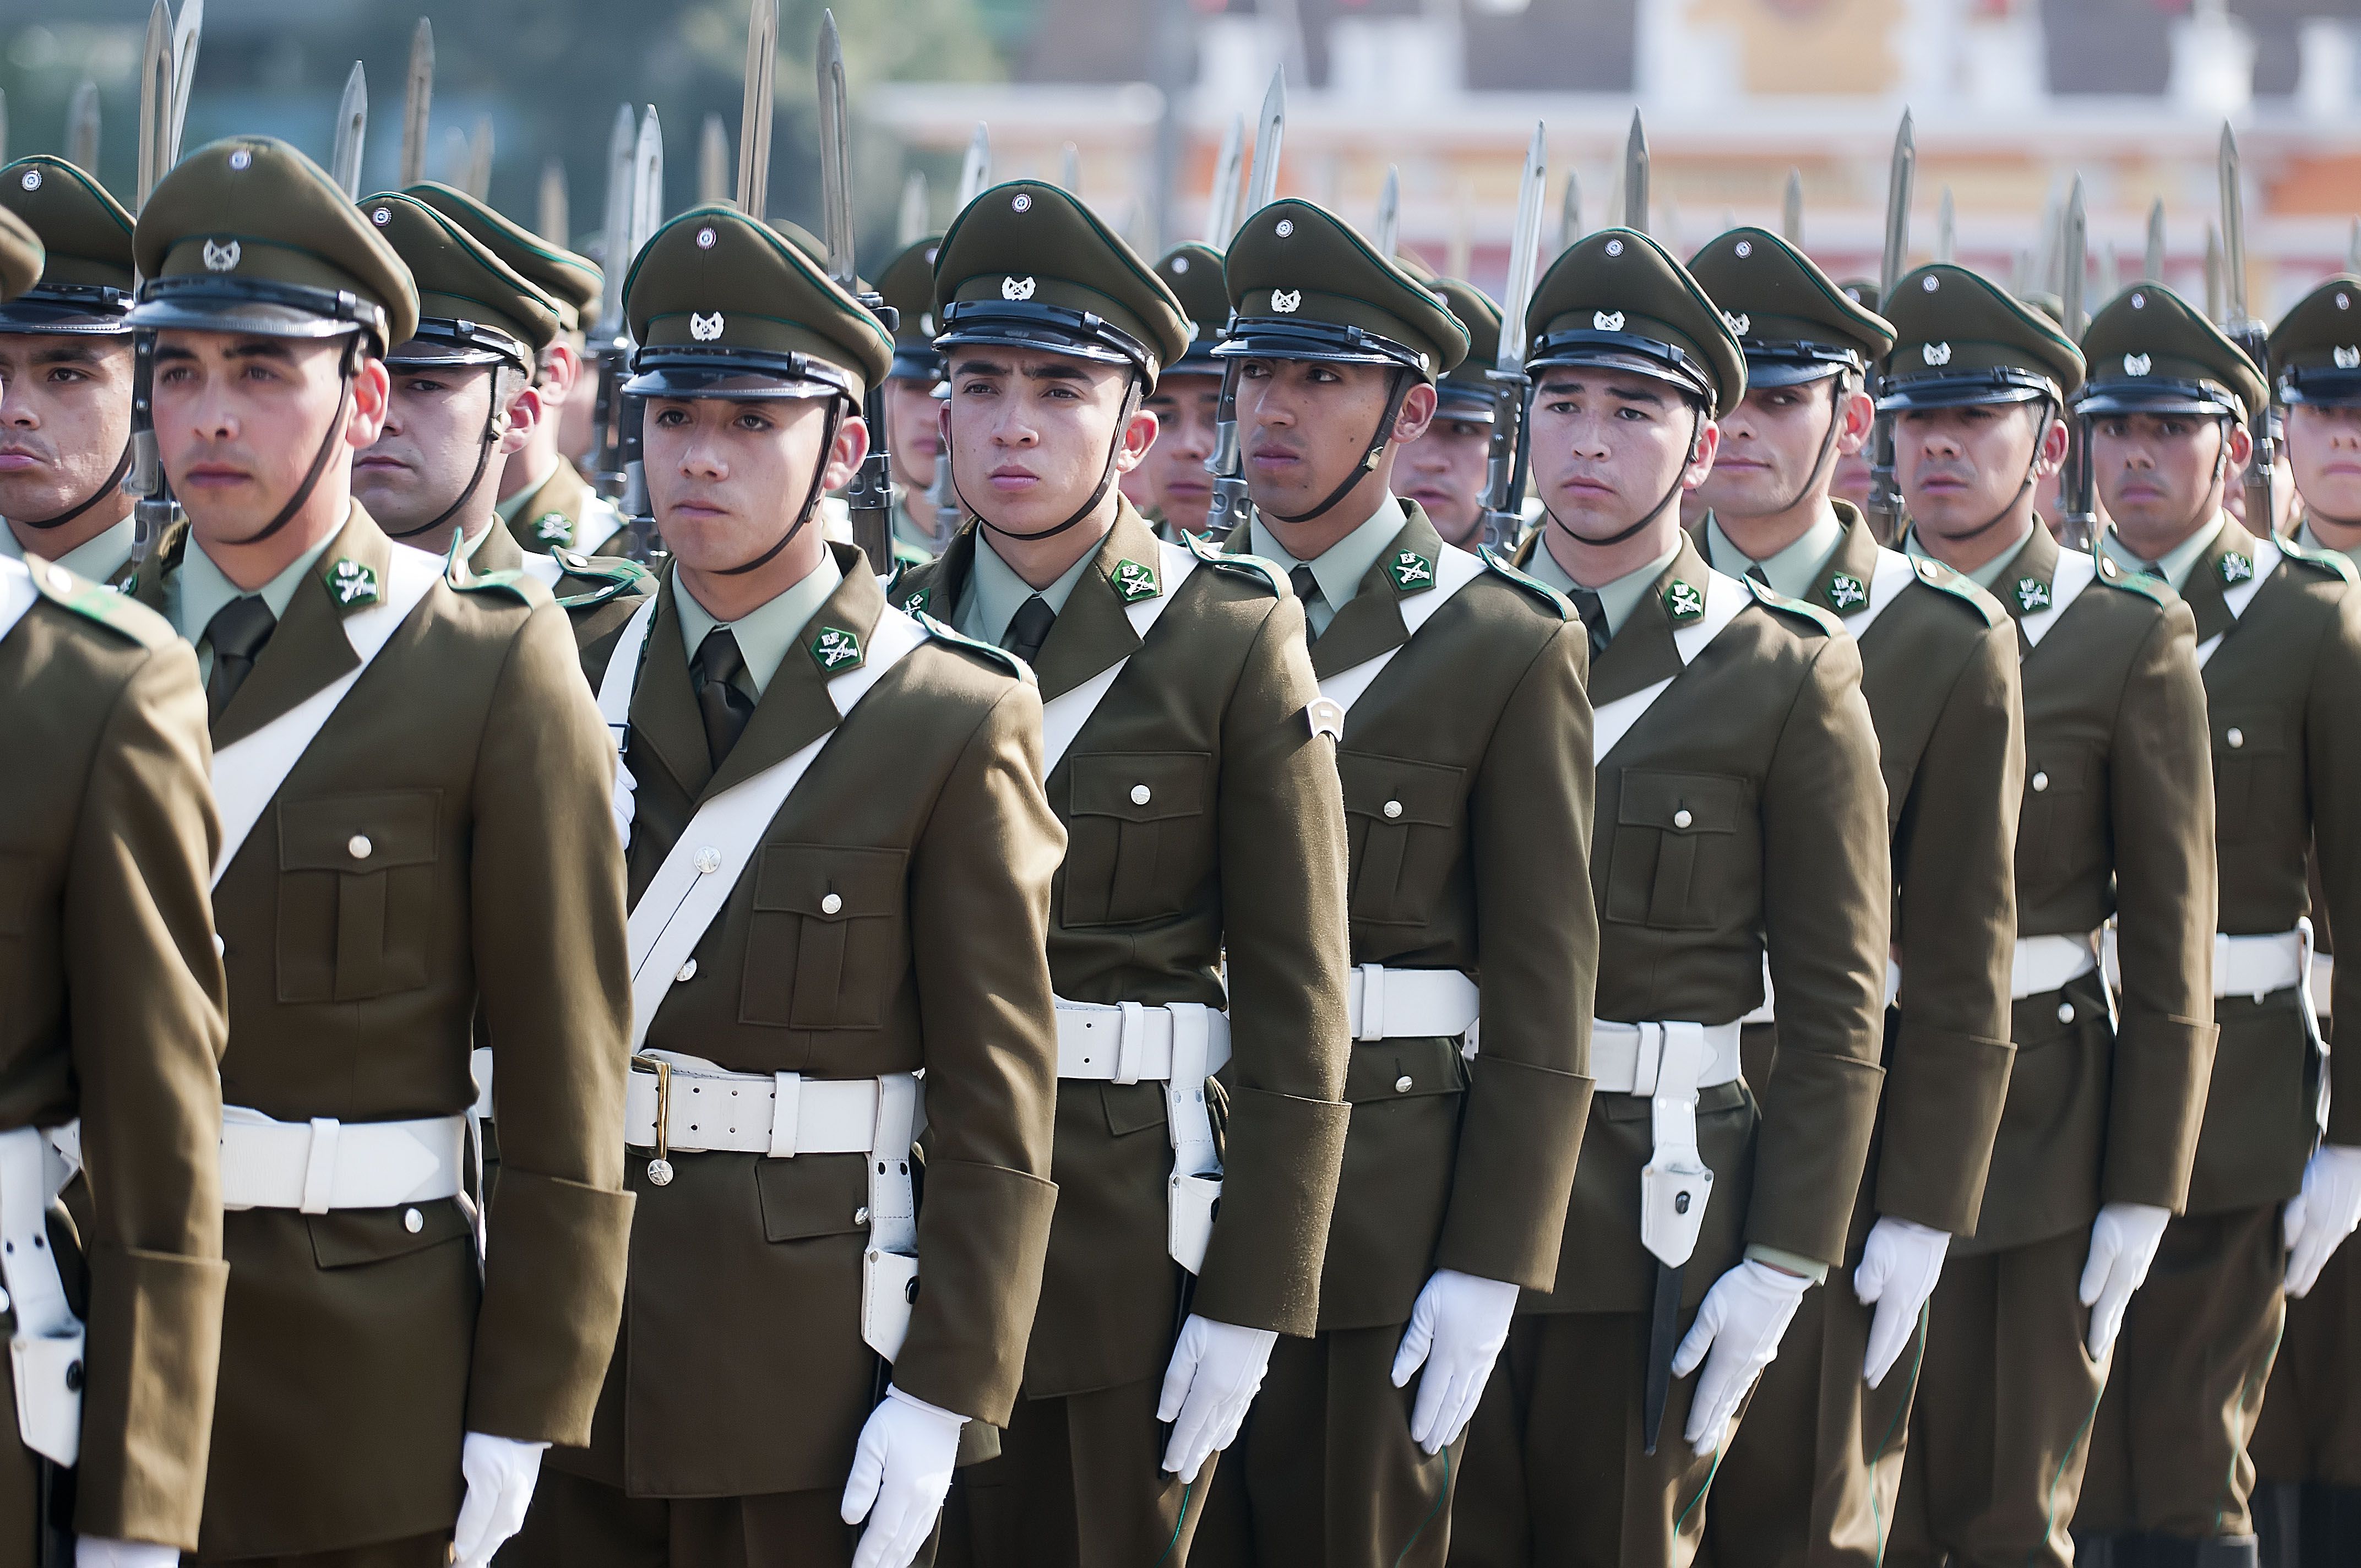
523 416
1417 411
1709 444
2242 447
844 455
371 389
1860 422
1139 436
561 368
2054 442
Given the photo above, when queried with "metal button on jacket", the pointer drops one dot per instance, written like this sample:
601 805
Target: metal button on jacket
358 847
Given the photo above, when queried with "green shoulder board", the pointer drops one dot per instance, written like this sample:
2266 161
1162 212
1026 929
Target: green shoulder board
119 613
516 584
1001 656
2139 583
1771 599
1549 596
1241 564
610 576
2333 561
1944 580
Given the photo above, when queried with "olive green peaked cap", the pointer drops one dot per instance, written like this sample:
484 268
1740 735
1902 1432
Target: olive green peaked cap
572 282
1304 285
471 307
1620 301
1193 273
1028 265
85 285
1792 322
1960 338
2149 352
717 298
20 256
908 285
249 236
1465 394
2316 349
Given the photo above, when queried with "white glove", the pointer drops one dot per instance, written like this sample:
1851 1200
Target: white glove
1462 1320
901 1472
500 1473
2124 1240
626 802
1899 1265
105 1552
1739 1325
1215 1370
2322 1214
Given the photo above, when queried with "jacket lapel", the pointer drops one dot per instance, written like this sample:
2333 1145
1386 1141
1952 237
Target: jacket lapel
499 552
1093 632
563 492
1843 585
1642 652
2231 554
1372 623
2027 583
795 710
308 648
663 705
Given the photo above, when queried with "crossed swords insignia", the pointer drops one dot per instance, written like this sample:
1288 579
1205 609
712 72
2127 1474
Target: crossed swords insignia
834 647
352 582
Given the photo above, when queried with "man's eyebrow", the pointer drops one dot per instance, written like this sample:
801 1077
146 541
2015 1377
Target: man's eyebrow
980 367
260 348
68 353
1054 370
1629 394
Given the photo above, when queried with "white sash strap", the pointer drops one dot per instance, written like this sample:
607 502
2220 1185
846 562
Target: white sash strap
692 884
1453 572
1724 597
623 671
1063 715
2076 571
2267 555
1893 573
248 773
16 593
45 1353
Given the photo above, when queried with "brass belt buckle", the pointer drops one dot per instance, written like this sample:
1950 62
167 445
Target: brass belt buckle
659 1168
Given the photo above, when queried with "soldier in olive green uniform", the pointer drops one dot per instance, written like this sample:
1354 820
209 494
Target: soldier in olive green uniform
1938 671
382 879
2106 1094
1198 789
1740 816
544 500
66 366
2170 402
840 864
913 426
1458 684
2307 1445
110 1041
1444 470
1187 401
1852 477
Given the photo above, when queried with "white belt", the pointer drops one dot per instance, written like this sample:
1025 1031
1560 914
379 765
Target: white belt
1668 1062
2257 966
781 1114
323 1164
1627 1058
1130 1042
1410 1004
2043 964
45 1353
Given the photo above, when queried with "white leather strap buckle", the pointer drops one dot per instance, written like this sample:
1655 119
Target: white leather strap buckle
703 1109
1629 1059
44 1352
325 1165
1384 1004
2257 966
1370 1023
1129 1042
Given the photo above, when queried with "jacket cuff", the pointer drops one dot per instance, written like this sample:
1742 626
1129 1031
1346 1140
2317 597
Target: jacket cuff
1281 1158
1811 1269
152 1353
2162 1068
984 1232
1809 1154
1944 1095
553 1264
1519 1137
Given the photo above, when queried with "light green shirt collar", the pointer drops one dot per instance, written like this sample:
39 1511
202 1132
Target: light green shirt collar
2309 541
995 593
1619 598
507 511
196 591
1341 567
769 633
1983 576
2177 562
97 558
1794 571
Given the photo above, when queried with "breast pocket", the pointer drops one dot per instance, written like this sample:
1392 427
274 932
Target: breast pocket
2060 777
1674 834
1137 840
2251 778
827 931
1406 819
355 894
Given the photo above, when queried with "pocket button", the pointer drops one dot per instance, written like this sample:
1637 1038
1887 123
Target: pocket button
1141 795
1393 809
413 1221
358 847
2065 1012
831 902
2236 738
1682 819
1401 1084
2040 782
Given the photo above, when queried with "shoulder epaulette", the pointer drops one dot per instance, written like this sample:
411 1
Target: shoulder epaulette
1942 579
1241 564
904 587
523 589
118 612
1556 601
612 574
1770 598
2139 583
2333 561
1001 656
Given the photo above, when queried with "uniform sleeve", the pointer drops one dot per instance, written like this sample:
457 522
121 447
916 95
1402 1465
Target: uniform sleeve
1282 878
2161 790
979 929
1955 861
1537 955
1827 893
2332 752
146 998
546 875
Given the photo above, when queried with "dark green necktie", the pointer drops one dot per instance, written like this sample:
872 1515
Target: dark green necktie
1307 588
1029 628
1593 610
238 631
719 703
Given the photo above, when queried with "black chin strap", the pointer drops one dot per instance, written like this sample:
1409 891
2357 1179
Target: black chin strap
1131 401
1827 447
483 461
1697 433
107 487
1396 392
345 370
2032 478
811 496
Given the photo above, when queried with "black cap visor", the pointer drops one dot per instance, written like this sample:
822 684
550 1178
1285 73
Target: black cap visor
1280 337
2156 395
1052 329
1463 402
69 310
2322 386
915 362
442 341
1795 364
739 375
1650 357
254 307
2004 384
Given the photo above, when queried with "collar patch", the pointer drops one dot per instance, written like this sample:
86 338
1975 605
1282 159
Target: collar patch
2236 568
1846 591
1683 602
1133 581
2032 594
352 582
1410 571
835 648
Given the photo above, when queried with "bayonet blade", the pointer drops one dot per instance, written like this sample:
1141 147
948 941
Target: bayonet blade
1635 176
754 108
647 183
615 231
3 126
1899 179
1070 169
479 160
2233 227
1569 213
82 127
554 222
2075 260
1791 210
1222 200
1946 230
352 127
2152 260
1389 233
186 39
1270 131
155 99
975 169
2110 272
910 224
1524 253
713 161
2213 297
417 103
835 156
2352 245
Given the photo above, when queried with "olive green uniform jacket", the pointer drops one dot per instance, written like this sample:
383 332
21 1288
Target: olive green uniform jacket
599 594
113 1012
1201 813
356 1350
1467 776
566 513
2118 814
891 919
